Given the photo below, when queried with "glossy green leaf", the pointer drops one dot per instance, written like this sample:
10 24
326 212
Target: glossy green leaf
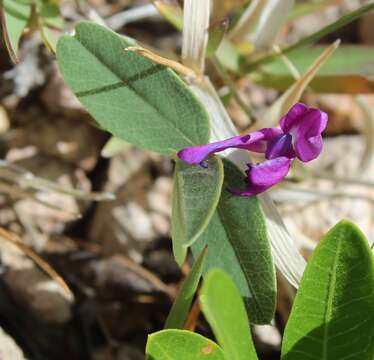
179 311
145 104
224 309
238 244
333 313
181 345
349 70
15 16
336 25
196 192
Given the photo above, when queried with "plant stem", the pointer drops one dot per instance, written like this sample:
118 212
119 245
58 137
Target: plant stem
228 81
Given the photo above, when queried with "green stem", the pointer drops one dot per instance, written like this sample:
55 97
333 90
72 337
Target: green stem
344 20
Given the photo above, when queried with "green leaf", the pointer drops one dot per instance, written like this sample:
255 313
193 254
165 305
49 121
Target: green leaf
228 55
179 311
128 95
238 243
181 345
15 16
348 70
333 313
196 192
217 32
336 25
223 307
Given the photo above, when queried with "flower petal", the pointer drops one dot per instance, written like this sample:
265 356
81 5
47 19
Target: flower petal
280 146
263 176
256 141
306 126
196 154
308 139
261 145
293 117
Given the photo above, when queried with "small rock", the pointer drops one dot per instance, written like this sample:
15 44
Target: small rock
267 338
160 223
51 134
4 121
58 97
30 72
123 166
117 276
112 228
9 350
39 294
345 118
159 197
135 221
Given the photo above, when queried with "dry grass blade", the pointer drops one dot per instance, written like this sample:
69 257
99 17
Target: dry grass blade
368 157
24 178
193 316
271 116
16 193
38 260
286 255
175 65
128 16
291 67
144 273
221 124
195 33
273 16
261 22
344 20
221 71
247 21
171 11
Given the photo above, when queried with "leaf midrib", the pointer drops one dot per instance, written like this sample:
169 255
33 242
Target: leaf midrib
160 113
330 298
249 282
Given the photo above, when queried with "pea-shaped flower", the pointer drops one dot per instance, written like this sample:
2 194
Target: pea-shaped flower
299 136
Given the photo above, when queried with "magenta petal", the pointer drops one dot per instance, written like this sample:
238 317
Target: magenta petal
280 146
293 117
306 126
196 154
262 176
265 137
308 139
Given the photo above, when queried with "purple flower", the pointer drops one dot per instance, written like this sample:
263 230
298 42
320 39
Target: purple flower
299 137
